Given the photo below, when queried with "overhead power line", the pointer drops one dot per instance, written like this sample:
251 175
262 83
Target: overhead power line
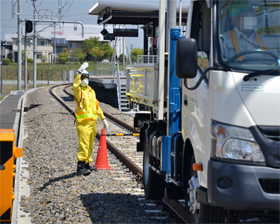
68 8
40 3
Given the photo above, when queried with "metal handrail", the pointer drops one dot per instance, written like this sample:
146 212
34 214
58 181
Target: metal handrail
147 59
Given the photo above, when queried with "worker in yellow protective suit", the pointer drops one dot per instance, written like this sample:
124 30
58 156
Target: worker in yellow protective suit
87 113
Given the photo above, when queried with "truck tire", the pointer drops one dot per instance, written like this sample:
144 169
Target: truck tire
154 184
210 214
204 213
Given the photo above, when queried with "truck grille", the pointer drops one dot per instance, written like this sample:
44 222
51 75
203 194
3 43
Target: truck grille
271 186
270 132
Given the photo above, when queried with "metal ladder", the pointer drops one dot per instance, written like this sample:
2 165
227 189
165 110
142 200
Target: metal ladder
121 90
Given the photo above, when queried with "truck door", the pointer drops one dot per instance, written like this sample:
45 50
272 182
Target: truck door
195 104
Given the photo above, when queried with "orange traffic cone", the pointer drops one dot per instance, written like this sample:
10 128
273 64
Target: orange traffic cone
102 160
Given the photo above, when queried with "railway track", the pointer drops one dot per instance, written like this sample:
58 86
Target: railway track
174 205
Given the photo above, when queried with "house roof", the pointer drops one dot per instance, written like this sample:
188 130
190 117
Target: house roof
30 38
78 37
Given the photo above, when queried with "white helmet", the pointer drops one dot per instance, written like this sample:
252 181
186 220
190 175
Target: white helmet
85 74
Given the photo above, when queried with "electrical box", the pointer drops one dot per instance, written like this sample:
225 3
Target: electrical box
109 36
8 153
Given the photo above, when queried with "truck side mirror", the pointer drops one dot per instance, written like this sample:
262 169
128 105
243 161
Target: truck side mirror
186 58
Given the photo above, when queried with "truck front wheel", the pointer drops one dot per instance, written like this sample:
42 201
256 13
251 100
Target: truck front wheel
154 183
201 213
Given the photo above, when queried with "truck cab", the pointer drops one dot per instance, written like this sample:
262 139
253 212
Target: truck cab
230 103
217 143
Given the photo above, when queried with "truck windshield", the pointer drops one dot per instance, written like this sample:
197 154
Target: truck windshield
249 34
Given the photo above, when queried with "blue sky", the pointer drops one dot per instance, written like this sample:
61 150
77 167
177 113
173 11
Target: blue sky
72 10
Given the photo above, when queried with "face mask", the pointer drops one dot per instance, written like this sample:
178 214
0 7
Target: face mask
250 23
84 82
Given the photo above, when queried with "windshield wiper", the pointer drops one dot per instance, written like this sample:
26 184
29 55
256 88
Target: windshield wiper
258 73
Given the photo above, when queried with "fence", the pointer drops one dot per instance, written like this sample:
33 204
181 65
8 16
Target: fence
105 68
147 59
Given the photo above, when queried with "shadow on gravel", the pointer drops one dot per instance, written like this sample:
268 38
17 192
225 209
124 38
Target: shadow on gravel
58 179
113 208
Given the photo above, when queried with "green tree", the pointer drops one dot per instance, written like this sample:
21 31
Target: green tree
62 61
108 51
88 44
134 52
78 54
22 56
6 61
97 52
63 57
10 56
93 48
43 58
121 58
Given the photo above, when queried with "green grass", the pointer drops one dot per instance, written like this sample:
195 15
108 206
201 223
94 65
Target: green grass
55 70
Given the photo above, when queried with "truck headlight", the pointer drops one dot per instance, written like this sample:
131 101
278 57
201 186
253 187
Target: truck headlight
236 143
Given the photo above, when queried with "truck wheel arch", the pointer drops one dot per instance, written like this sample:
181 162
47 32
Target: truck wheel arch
187 157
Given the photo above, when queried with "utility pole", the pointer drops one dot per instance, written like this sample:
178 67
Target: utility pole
54 41
123 55
34 49
25 63
161 58
49 68
171 21
180 14
19 46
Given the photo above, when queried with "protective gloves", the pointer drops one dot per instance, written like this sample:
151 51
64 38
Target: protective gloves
105 123
83 67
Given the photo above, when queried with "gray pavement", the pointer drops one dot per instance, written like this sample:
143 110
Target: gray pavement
7 110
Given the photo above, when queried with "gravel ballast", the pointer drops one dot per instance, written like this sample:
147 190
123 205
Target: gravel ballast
57 193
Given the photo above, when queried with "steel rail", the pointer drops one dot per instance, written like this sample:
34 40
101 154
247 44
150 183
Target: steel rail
178 209
120 155
60 100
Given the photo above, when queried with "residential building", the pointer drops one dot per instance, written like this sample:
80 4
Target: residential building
76 40
44 49
6 49
60 43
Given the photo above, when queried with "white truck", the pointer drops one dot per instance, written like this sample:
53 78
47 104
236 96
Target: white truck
213 135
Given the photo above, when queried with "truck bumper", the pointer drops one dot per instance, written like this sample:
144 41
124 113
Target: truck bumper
235 186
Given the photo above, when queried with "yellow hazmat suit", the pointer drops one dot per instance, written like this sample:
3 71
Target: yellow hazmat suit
87 112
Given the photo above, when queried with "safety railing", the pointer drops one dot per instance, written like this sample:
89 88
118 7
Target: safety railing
147 59
105 68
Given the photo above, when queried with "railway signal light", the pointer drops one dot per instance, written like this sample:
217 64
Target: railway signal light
109 36
104 32
28 26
